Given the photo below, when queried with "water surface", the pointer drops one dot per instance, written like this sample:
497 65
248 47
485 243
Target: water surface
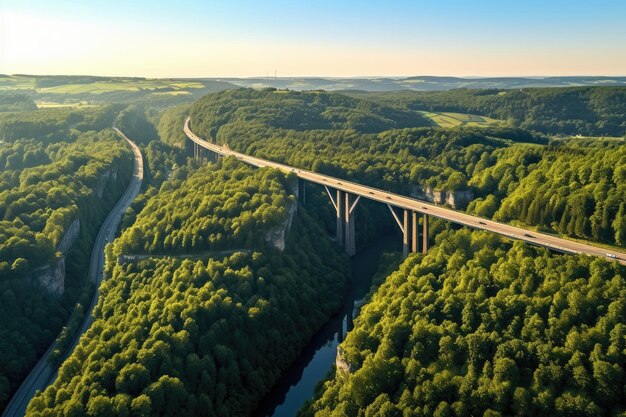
298 383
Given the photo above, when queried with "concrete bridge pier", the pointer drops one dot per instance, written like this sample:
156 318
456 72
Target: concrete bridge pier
350 241
414 237
302 190
425 234
408 226
337 203
344 204
405 234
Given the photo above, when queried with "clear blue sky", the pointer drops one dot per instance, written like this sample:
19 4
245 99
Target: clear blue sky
325 38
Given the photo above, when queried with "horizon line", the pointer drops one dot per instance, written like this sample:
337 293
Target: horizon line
468 77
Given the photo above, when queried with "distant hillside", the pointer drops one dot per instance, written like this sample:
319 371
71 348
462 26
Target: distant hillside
421 83
68 90
119 88
571 110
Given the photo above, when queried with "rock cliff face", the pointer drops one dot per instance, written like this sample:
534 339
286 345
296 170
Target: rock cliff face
52 277
276 236
344 368
69 237
104 179
456 199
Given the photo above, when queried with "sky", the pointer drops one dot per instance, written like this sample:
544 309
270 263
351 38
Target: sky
333 38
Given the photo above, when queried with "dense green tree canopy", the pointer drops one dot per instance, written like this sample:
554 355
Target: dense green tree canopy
212 209
46 184
16 102
573 188
482 328
476 327
574 110
206 337
52 125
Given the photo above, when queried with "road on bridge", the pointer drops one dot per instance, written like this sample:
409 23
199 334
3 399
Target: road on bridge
44 372
396 200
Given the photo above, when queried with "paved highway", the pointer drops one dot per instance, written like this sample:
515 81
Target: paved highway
396 200
44 373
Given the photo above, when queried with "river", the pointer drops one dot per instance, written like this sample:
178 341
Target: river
298 383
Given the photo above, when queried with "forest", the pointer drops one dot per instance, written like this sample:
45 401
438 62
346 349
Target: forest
16 103
483 327
591 111
55 125
213 209
211 336
51 178
575 189
202 311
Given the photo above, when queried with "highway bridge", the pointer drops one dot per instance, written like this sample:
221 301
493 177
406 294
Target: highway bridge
345 196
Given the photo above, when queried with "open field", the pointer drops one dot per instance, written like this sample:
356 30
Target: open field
450 119
51 104
100 87
9 83
89 85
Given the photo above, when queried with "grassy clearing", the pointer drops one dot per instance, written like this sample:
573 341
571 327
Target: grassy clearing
450 119
52 105
9 83
100 87
172 93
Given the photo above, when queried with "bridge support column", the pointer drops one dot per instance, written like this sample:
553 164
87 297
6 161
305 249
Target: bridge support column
414 224
339 209
405 234
350 241
408 226
195 150
302 190
338 204
425 234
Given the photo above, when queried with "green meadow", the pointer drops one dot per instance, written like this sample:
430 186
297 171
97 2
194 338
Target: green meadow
450 119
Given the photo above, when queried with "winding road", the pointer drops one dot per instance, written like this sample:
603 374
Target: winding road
535 238
44 372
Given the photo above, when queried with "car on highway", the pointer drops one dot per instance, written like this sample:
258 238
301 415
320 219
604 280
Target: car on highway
482 222
528 235
610 255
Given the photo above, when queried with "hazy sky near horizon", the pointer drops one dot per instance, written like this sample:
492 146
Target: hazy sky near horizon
196 38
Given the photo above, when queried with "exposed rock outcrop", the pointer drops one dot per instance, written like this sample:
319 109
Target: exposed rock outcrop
455 199
51 277
104 179
344 368
276 236
69 237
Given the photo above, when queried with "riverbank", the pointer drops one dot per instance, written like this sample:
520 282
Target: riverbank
298 383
